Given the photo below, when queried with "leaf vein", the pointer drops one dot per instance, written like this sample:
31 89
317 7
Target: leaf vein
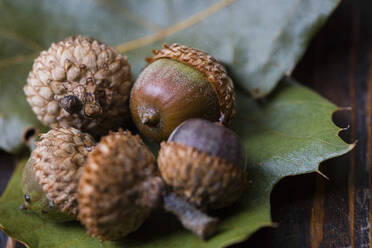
17 60
163 33
20 39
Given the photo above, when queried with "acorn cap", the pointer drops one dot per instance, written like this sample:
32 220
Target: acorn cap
213 71
82 83
212 138
57 161
112 187
204 180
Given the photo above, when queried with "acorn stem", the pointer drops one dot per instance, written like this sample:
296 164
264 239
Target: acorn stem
193 219
150 117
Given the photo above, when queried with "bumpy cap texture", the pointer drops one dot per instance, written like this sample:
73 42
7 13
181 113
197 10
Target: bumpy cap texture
213 71
58 160
116 178
82 83
205 181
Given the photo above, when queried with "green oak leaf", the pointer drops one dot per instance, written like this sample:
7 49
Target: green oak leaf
289 133
259 40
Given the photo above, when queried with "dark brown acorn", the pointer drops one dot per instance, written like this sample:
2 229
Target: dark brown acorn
205 163
180 83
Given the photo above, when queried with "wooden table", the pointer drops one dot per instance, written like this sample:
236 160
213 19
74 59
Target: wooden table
313 211
310 210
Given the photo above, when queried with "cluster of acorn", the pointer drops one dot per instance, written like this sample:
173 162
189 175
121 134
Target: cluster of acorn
83 90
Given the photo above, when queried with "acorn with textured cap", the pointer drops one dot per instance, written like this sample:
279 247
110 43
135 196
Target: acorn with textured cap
205 163
119 187
51 175
180 83
80 82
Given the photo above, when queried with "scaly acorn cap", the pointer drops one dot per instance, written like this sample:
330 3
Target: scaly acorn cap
115 186
57 161
213 71
205 181
82 83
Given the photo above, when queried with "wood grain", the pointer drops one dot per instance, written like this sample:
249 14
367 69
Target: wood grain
338 65
340 58
6 170
317 217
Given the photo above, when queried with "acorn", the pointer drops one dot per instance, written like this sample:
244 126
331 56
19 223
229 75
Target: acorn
119 187
205 163
82 83
51 175
180 83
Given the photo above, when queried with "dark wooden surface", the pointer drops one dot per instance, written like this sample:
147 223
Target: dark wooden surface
310 210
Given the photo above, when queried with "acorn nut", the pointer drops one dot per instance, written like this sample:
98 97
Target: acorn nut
51 175
120 185
205 163
180 83
80 82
